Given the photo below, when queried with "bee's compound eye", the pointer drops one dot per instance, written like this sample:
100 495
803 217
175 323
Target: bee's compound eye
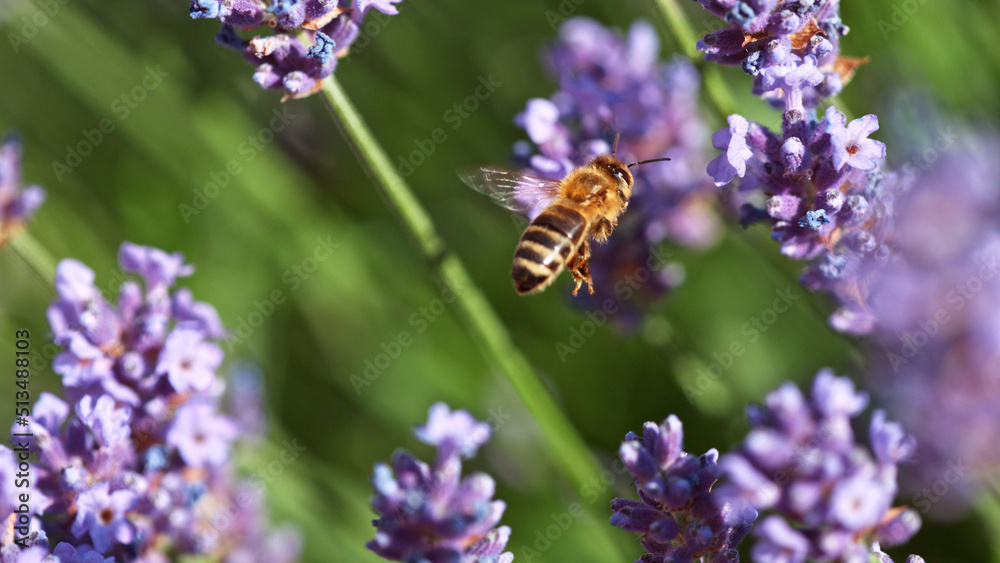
619 173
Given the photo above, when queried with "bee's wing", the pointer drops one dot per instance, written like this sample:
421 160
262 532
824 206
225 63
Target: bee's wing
511 190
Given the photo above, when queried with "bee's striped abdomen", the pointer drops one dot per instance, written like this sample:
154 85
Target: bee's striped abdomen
546 247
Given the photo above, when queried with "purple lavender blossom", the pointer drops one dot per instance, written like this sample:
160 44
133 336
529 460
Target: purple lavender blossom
824 497
883 557
823 193
612 84
938 339
791 48
825 199
202 436
17 203
102 515
680 517
430 513
310 36
139 458
79 554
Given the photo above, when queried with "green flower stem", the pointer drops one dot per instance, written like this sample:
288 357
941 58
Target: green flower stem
569 450
988 507
682 30
35 256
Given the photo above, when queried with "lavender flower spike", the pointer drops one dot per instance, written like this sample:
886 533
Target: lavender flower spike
17 204
791 48
680 517
138 459
430 513
310 36
824 196
825 497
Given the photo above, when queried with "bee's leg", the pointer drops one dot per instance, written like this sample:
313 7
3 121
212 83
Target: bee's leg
602 229
580 268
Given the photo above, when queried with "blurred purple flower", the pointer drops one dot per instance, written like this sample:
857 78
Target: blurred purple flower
202 436
938 333
102 515
826 498
17 203
79 554
188 360
613 84
680 517
430 513
140 457
883 557
309 36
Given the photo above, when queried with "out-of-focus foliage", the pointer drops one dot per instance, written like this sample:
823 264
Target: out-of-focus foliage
317 281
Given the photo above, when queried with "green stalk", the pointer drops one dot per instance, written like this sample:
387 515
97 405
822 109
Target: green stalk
988 507
682 30
569 451
35 256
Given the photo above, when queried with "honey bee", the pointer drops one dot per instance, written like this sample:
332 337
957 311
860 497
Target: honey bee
584 205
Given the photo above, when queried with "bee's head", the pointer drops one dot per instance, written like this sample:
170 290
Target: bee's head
618 171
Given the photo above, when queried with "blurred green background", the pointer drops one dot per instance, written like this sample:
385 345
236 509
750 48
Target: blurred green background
303 185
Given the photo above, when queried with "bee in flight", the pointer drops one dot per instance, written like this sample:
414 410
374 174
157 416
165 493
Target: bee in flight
584 205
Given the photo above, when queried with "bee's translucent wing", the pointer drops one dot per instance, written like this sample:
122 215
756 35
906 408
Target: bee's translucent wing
511 190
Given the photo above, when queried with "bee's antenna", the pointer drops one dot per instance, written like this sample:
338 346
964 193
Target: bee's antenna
645 161
614 147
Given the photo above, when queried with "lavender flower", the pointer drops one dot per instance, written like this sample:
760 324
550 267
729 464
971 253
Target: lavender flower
17 203
824 198
310 36
791 48
612 84
139 459
826 498
680 517
430 513
102 515
939 332
884 557
818 182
